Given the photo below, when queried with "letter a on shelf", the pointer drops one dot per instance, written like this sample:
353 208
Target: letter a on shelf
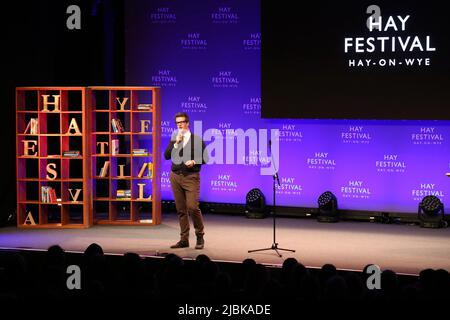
29 219
73 126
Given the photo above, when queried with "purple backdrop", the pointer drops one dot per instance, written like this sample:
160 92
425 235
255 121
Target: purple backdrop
205 55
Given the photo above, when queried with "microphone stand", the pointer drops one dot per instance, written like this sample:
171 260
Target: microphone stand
274 215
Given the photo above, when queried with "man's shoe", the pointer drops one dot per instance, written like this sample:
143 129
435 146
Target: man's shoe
180 244
200 243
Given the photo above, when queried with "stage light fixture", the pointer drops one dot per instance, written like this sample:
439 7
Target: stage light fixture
328 211
431 212
255 205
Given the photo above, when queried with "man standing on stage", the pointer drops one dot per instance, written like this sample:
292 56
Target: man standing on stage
187 152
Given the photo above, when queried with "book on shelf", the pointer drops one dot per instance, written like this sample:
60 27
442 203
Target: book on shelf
44 192
53 198
150 170
104 170
140 152
123 194
71 153
117 125
113 125
121 128
32 126
141 172
144 106
148 165
48 195
115 146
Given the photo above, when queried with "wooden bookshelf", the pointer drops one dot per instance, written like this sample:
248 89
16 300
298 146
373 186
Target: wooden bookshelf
138 201
50 121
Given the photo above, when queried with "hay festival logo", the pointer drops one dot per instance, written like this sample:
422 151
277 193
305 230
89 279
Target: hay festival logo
252 106
194 104
224 183
390 39
224 15
289 132
427 136
163 15
356 134
289 186
321 161
356 189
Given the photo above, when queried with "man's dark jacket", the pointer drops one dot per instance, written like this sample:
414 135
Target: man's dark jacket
196 146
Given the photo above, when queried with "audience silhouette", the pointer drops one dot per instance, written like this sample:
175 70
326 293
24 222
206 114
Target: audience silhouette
25 276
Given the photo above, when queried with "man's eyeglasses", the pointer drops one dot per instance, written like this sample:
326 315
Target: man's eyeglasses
180 122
